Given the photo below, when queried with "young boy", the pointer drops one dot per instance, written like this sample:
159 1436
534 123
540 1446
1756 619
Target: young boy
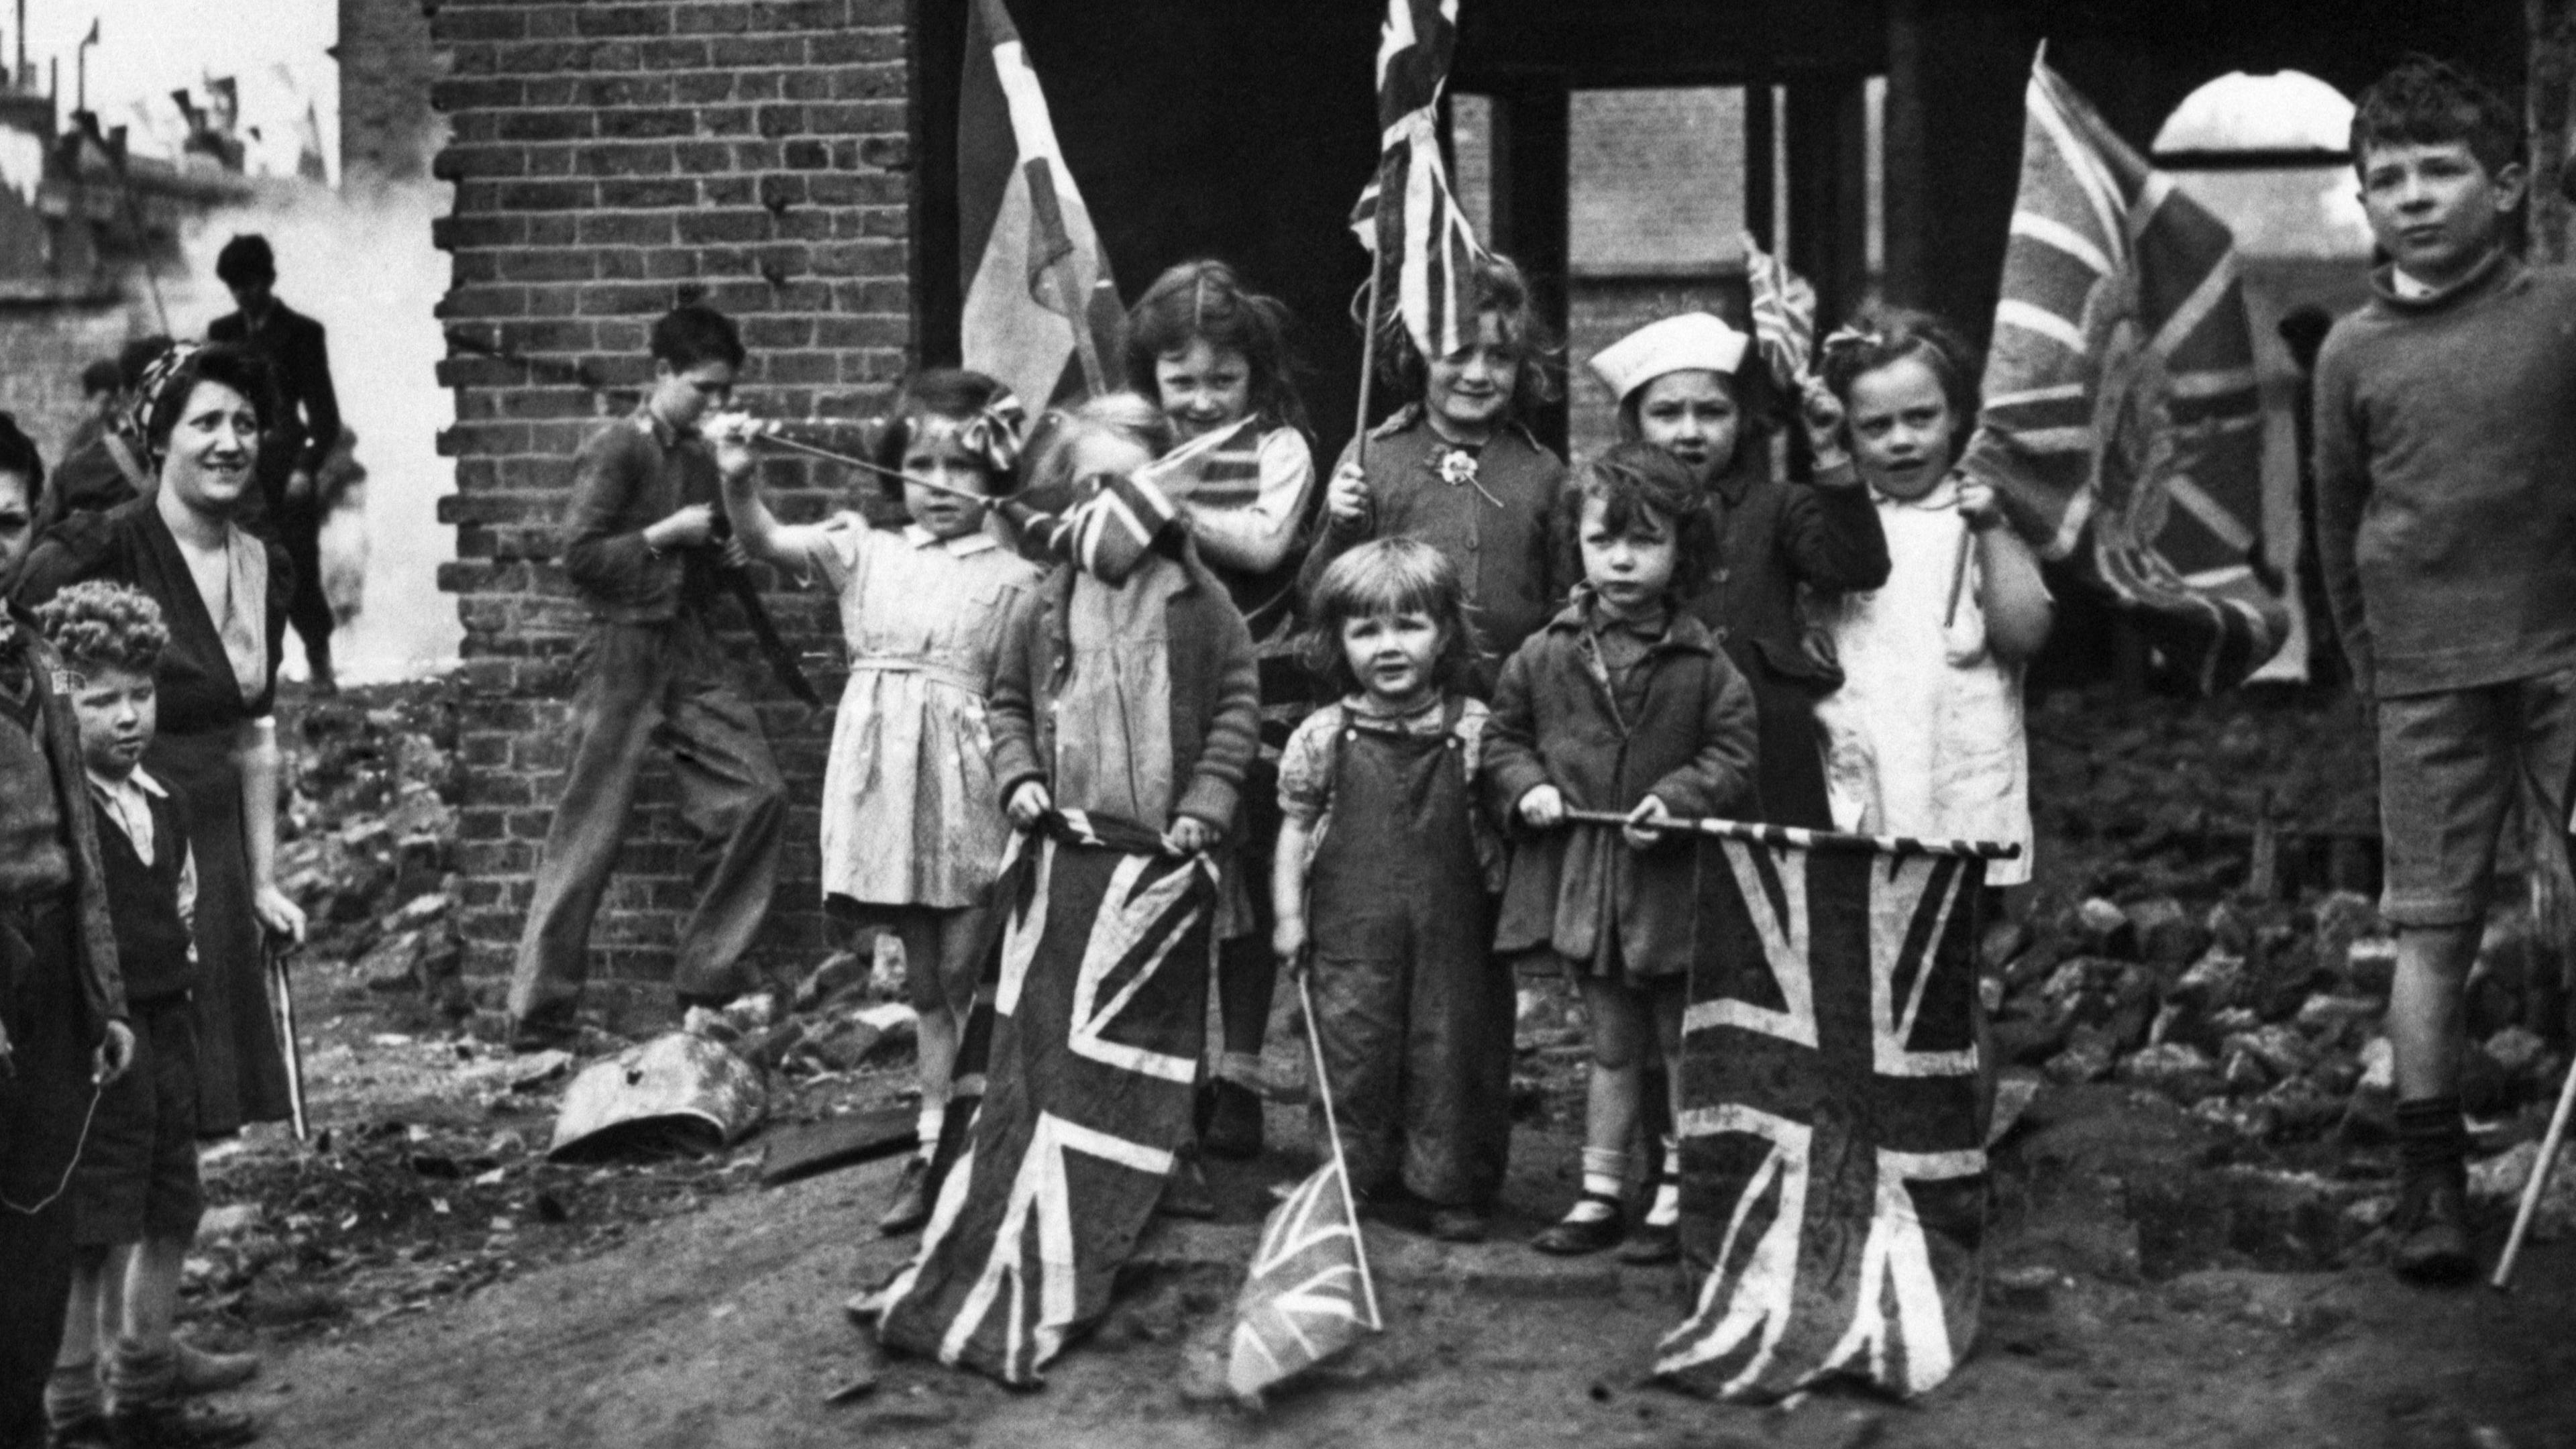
59 988
135 1196
654 678
2446 530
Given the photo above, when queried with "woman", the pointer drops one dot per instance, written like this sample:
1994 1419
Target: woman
224 592
1685 385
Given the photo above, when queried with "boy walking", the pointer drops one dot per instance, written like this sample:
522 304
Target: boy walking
2446 531
641 551
121 1376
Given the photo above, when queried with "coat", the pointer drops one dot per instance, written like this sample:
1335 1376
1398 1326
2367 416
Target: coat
1694 746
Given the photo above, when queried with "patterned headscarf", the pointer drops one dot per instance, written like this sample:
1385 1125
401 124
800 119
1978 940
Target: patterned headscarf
170 369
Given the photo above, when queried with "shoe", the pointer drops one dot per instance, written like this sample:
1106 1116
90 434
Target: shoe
1233 1127
1571 1237
909 1206
1457 1225
1186 1193
86 1432
171 1424
2432 1234
204 1371
1652 1243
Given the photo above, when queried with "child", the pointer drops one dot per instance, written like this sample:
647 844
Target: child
1457 469
1682 385
910 838
655 678
1387 870
135 1197
1623 703
63 1017
1925 736
1126 691
1215 355
2446 532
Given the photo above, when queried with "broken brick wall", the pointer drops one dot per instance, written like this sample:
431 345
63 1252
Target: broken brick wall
611 161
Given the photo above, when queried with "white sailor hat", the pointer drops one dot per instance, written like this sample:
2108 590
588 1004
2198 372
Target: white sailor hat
1691 340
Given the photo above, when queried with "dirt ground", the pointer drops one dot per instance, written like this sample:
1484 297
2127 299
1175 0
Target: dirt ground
422 1277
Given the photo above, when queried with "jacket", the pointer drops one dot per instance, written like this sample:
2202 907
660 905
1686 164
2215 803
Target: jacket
1215 693
102 984
1693 745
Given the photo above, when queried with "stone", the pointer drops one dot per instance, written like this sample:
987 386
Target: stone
2231 929
395 963
2215 982
2328 1020
2519 1051
2166 934
2087 1058
2501 1181
2245 1073
232 1220
2181 1072
419 911
830 976
2004 941
2281 1051
2105 928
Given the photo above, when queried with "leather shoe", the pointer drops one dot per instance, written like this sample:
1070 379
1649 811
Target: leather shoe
1234 1120
908 1207
1574 1236
205 1371
2432 1232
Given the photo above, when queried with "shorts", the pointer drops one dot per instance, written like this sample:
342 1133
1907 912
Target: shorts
138 1177
2450 765
963 935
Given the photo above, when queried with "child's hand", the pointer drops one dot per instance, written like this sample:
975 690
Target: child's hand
687 528
1822 413
1979 506
1346 499
1190 835
1028 804
1543 808
1639 832
1288 943
115 1053
730 434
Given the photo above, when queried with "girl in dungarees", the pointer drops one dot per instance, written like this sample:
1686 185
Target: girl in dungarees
1385 880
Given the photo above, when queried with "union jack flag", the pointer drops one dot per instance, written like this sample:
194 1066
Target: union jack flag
1089 1025
1784 314
1833 1180
2120 392
1308 1295
1422 236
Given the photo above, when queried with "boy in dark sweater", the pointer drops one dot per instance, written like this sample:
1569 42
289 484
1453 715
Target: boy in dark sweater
2446 532
121 1374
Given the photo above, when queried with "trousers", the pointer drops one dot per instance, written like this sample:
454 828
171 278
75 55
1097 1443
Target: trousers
658 688
44 1098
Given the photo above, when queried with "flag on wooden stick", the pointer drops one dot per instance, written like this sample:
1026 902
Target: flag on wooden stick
1041 313
1308 1295
1833 1178
1406 215
1784 315
2120 392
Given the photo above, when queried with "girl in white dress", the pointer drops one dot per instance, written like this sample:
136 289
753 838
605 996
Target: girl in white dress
912 829
1925 737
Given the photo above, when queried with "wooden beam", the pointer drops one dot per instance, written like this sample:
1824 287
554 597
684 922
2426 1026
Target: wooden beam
2551 25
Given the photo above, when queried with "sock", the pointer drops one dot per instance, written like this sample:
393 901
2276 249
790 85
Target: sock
1605 1172
1667 1207
139 1376
2432 1139
932 1121
1241 1068
72 1394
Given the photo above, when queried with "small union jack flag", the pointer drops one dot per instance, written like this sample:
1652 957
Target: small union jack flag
1784 314
1420 233
1833 1180
1308 1295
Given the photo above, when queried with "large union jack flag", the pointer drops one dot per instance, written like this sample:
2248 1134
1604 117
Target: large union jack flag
1833 1180
1406 215
1089 1029
2120 392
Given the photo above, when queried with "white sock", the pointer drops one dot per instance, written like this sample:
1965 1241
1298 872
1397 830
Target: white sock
1605 1171
1666 1209
934 1118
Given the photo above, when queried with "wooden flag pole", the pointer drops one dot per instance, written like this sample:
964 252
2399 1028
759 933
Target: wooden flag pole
1368 363
1959 572
2539 1183
1342 1168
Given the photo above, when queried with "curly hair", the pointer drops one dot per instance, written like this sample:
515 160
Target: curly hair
1119 414
1207 300
1389 576
1499 289
2428 102
1641 487
954 393
105 625
1880 336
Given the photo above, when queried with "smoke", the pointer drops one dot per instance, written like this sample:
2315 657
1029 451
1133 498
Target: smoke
360 261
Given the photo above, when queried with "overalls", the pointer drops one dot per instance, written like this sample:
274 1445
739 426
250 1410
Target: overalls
1416 1022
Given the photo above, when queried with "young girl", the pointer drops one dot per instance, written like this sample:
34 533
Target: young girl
1128 692
1457 469
910 838
1623 703
1215 355
1684 385
1925 736
1386 870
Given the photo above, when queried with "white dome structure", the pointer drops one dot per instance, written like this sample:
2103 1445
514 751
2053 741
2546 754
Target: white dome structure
2285 111
2299 211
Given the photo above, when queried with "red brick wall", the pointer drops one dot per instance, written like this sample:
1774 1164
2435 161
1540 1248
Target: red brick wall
611 160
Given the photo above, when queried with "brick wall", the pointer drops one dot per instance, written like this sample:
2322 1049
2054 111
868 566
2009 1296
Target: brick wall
387 130
611 160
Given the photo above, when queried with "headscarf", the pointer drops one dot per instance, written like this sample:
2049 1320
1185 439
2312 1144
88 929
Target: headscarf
171 368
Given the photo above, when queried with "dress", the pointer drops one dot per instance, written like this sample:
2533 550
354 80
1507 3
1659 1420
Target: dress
203 703
911 812
1925 736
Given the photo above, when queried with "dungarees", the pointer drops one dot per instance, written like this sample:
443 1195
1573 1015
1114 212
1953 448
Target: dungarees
1416 1024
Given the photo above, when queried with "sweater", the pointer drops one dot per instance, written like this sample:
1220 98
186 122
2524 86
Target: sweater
2446 481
